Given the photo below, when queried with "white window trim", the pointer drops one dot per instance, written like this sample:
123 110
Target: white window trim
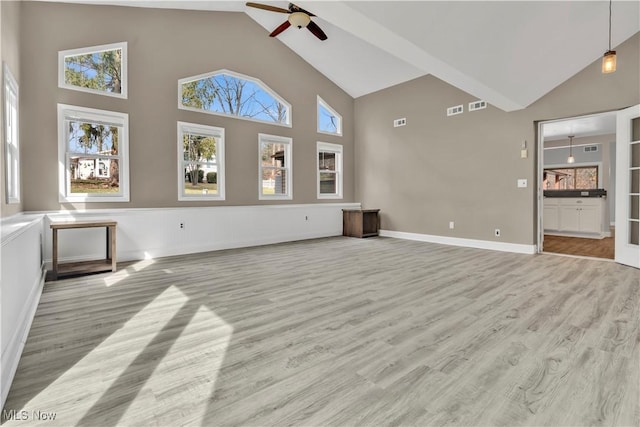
64 177
288 155
243 77
94 49
216 132
12 154
338 150
333 111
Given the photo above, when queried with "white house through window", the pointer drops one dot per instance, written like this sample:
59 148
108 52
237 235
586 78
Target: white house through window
93 147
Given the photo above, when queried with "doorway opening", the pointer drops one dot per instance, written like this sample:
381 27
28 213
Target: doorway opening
576 185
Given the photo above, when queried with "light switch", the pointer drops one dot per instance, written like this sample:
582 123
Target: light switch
522 183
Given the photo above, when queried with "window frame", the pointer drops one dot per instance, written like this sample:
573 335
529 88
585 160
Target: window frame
11 91
73 112
597 166
254 80
94 49
288 155
338 150
218 134
325 105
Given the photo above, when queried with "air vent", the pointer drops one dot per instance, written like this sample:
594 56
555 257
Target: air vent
458 109
590 148
477 105
399 122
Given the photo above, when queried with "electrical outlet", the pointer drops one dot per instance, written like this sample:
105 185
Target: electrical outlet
306 218
182 225
497 232
451 224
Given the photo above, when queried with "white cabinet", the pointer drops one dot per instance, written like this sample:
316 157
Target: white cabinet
551 215
575 215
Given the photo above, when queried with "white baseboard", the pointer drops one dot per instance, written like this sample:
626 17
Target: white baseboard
13 351
456 241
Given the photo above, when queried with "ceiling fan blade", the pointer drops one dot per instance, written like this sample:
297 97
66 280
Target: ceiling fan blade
313 27
267 7
296 8
286 24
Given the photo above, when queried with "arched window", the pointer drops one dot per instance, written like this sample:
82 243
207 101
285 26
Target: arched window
228 93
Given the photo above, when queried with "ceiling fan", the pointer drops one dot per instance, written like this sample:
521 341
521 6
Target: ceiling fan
298 17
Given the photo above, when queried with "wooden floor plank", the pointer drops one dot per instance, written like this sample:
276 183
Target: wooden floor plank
337 331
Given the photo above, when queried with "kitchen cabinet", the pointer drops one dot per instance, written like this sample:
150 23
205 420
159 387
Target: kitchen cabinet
575 216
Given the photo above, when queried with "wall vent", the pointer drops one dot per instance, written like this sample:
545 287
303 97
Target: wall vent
458 109
590 148
477 105
399 122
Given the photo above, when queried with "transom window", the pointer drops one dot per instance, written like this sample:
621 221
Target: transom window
11 133
201 162
329 121
93 155
577 178
231 94
274 160
329 171
96 69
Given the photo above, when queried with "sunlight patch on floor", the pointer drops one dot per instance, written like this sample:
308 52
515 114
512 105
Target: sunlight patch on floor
116 277
79 388
200 348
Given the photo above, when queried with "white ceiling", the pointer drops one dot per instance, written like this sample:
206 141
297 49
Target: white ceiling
509 53
593 125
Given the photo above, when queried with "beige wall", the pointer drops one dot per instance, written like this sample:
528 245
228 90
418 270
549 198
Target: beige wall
164 46
10 54
464 168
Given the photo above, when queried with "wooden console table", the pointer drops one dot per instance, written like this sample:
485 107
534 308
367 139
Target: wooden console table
360 222
75 268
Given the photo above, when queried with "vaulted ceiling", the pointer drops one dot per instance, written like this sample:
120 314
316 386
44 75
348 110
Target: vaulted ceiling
509 53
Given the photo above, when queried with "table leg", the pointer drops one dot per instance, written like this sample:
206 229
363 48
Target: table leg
54 255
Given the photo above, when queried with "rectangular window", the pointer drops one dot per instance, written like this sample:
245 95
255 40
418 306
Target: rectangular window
329 171
93 155
201 162
96 69
274 163
578 178
11 135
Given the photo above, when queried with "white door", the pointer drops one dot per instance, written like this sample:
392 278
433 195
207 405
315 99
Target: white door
628 187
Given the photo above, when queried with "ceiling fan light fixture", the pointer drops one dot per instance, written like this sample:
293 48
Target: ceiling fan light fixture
609 62
299 19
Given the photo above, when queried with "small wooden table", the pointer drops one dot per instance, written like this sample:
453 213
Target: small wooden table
75 268
360 222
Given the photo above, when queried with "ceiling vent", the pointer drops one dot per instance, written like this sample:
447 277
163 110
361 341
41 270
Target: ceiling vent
590 148
477 105
458 109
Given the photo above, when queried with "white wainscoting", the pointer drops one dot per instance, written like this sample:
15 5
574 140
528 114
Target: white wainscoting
153 233
21 282
456 241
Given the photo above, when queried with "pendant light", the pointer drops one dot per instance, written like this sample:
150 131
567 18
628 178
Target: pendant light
571 159
609 58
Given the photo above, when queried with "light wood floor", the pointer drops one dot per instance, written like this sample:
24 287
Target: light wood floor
340 332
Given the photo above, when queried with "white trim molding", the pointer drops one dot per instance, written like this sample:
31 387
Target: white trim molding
467 243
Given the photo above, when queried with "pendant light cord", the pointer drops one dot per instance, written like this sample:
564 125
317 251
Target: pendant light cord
610 1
